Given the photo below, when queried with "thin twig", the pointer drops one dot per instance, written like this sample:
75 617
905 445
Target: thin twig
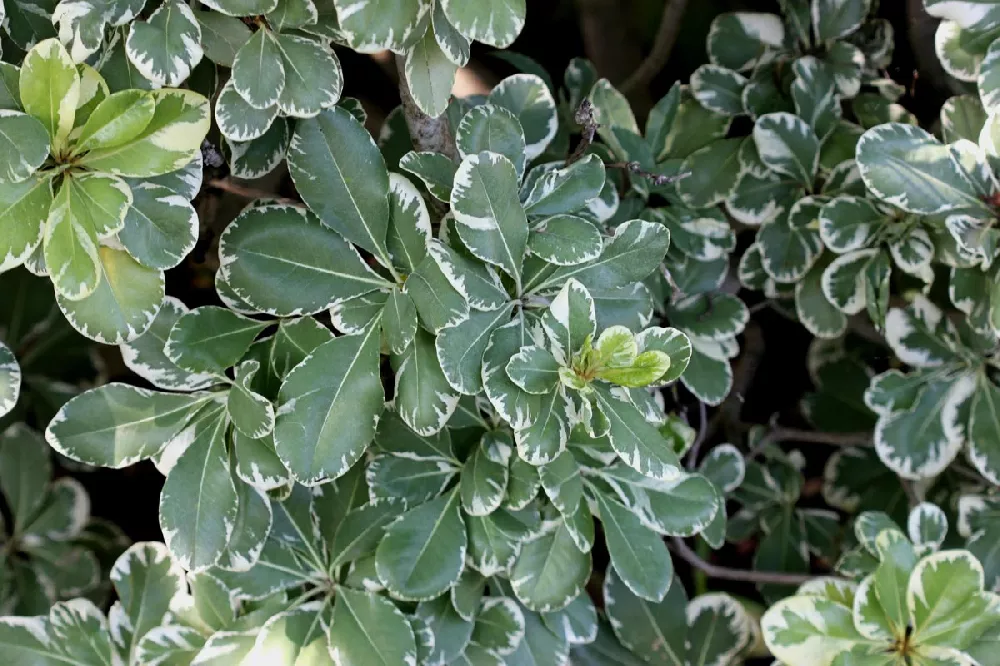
911 494
692 459
783 434
428 134
663 44
636 168
714 571
227 185
584 117
743 374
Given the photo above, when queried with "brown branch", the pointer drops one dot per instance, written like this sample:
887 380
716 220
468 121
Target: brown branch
428 134
714 571
692 459
743 374
783 434
666 35
227 185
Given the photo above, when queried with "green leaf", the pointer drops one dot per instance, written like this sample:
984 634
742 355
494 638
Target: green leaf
25 210
10 380
170 141
24 475
569 322
430 74
328 408
161 226
534 370
434 170
399 321
478 283
211 339
550 571
906 167
70 243
657 630
292 14
495 540
116 120
713 173
198 504
927 526
546 436
493 23
374 25
297 635
238 121
848 223
675 344
50 89
460 348
281 260
577 624
410 223
810 627
984 423
947 605
514 405
844 280
630 255
791 244
124 303
145 355
787 145
741 40
424 398
252 414
562 483
637 442
117 425
222 36
438 303
720 629
499 625
719 318
451 631
567 189
338 170
922 441
259 71
490 219
313 80
531 101
167 46
258 157
494 129
718 89
968 14
819 315
412 480
455 45
423 553
639 556
147 580
565 240
250 529
834 19
368 629
815 95
484 475
257 464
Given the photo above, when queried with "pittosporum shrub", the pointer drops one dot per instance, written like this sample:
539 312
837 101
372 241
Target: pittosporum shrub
441 394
